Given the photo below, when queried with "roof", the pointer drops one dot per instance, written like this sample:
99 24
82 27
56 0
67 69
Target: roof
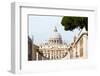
81 33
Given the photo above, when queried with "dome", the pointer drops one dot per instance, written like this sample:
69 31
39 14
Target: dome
55 37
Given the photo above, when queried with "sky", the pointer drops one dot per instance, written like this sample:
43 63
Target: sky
41 27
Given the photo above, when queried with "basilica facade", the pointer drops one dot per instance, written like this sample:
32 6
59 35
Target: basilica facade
55 48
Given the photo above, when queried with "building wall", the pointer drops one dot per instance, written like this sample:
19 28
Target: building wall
85 48
36 54
29 49
54 53
81 47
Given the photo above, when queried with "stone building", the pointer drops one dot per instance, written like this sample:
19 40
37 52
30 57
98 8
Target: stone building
78 48
56 48
29 48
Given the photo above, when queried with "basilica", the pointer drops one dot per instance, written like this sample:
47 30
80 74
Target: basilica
55 48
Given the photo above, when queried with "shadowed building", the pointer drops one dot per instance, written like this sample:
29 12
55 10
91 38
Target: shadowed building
79 45
36 54
29 48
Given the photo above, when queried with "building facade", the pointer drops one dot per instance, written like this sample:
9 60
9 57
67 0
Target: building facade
79 47
29 48
56 48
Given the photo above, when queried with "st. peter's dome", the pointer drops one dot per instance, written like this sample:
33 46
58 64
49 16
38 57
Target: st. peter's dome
55 37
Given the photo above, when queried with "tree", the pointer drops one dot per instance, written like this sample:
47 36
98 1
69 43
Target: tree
70 23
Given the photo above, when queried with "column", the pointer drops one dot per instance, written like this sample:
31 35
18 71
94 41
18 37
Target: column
85 46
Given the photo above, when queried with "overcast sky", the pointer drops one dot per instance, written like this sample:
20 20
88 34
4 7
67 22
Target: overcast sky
41 27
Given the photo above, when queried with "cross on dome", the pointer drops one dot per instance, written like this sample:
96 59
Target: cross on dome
55 29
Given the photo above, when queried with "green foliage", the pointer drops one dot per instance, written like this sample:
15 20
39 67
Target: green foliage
70 23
